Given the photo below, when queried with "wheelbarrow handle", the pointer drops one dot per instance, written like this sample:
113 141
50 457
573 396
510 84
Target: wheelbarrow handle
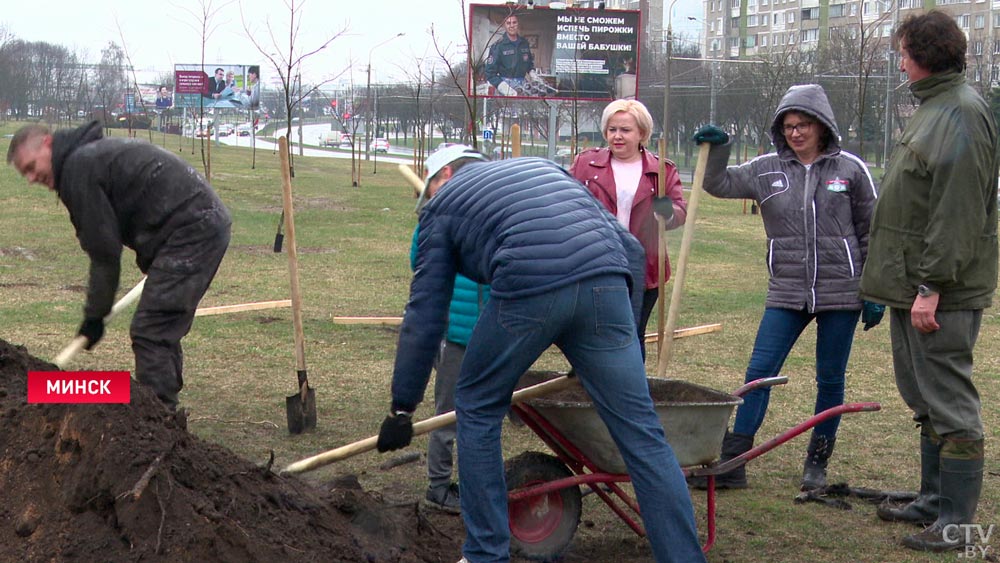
785 436
762 382
422 427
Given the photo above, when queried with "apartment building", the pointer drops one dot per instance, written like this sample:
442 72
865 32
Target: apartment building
735 29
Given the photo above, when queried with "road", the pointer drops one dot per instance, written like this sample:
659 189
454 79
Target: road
311 135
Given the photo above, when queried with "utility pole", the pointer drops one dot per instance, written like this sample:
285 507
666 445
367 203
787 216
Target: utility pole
894 6
368 96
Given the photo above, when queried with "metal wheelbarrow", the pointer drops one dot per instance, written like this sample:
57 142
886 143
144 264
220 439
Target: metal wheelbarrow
544 500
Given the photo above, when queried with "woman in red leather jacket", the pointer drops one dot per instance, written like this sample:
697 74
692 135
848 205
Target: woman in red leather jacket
623 176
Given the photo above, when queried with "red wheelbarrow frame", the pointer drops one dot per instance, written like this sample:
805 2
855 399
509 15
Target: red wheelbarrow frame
587 473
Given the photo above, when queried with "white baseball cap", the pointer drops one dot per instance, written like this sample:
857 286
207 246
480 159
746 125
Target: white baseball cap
441 158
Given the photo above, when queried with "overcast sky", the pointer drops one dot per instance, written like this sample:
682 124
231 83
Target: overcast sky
159 34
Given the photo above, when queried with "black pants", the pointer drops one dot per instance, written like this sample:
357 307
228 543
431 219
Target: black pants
176 281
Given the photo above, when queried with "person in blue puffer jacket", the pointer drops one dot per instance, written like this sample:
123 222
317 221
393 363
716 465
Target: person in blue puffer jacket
561 270
467 302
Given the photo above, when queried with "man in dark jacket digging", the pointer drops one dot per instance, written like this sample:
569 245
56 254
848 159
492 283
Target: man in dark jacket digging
121 192
561 271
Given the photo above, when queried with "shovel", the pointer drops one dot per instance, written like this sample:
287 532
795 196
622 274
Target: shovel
279 236
666 345
80 341
300 408
422 427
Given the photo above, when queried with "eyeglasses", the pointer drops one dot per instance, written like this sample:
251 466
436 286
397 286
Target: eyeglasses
801 128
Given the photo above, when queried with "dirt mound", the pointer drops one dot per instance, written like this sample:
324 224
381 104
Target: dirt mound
128 483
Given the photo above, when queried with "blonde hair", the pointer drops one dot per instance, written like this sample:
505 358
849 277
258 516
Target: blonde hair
637 110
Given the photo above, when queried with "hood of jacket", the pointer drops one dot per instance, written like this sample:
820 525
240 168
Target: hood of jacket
809 99
65 141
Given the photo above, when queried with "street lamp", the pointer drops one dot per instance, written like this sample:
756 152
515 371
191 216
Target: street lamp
368 96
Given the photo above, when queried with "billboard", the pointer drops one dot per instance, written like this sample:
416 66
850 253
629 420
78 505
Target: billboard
573 53
217 86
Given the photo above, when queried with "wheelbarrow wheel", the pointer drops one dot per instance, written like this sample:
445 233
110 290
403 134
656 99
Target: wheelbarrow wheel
542 526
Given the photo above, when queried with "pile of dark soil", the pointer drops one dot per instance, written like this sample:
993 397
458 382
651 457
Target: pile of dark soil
128 483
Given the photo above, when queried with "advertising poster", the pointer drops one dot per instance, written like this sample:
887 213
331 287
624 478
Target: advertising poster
585 54
216 86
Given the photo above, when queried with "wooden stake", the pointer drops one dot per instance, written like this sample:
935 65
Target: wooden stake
392 321
686 332
224 309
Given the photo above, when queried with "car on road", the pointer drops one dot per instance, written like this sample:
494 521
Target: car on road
381 145
345 141
329 139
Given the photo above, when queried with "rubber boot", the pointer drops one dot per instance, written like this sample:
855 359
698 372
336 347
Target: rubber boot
961 483
817 456
733 445
925 508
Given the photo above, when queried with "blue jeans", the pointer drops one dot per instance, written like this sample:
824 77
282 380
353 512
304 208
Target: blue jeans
778 331
592 323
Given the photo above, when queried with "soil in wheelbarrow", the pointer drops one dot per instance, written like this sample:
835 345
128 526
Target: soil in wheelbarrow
128 483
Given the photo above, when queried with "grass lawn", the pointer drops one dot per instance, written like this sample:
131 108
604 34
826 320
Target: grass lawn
353 246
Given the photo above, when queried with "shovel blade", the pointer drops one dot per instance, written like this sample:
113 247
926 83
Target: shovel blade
301 414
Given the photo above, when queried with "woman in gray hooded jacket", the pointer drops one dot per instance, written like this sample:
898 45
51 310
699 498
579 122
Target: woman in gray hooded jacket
816 201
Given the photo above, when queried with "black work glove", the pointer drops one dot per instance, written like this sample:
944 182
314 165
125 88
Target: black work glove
710 134
871 313
93 329
396 431
664 207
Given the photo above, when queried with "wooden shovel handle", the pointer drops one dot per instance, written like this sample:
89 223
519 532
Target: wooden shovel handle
666 347
293 256
80 341
412 178
422 427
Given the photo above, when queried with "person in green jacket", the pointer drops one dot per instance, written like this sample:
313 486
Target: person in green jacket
467 300
932 258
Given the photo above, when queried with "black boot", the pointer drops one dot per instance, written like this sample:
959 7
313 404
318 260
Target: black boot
817 455
925 508
961 483
733 445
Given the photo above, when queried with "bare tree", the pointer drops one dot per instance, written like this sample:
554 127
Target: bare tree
856 53
286 58
111 85
204 25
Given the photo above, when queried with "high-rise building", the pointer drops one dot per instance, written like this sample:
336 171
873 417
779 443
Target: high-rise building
744 28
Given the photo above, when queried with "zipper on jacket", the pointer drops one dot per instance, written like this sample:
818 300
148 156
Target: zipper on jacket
850 260
810 205
770 257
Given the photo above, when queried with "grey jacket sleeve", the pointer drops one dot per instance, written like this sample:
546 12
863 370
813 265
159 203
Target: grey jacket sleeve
722 180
